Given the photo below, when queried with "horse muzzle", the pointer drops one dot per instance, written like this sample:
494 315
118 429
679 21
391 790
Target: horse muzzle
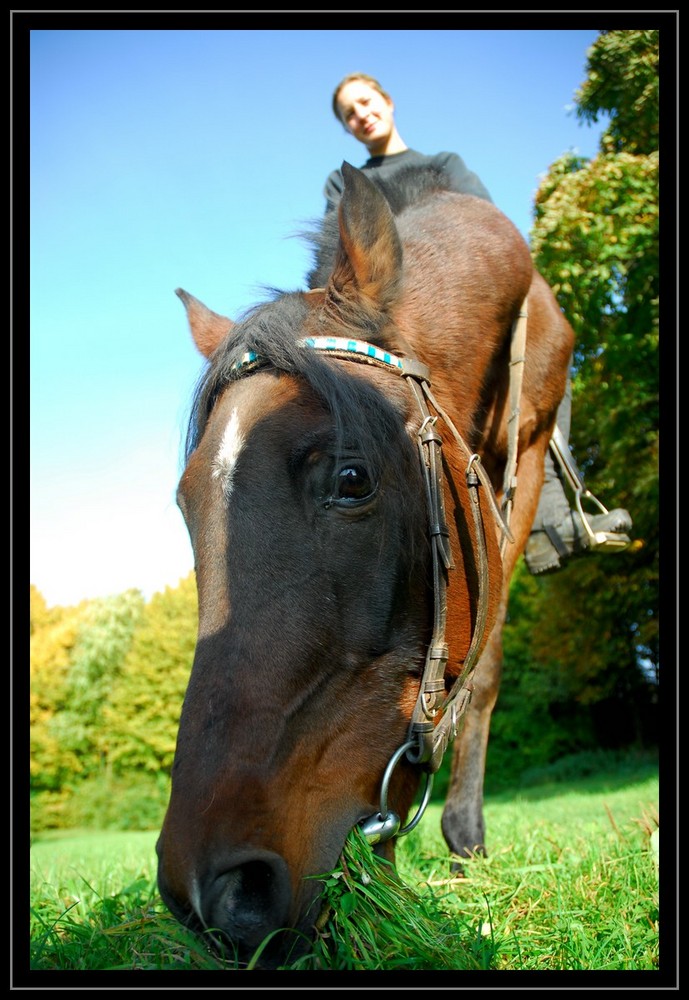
246 898
249 898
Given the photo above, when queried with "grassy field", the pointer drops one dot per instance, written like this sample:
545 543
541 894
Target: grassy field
570 885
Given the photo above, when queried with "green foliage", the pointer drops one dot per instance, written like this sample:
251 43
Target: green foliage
142 713
103 639
107 683
53 636
606 768
40 616
136 801
596 241
622 80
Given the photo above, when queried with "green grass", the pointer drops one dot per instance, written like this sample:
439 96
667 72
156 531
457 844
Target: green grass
571 883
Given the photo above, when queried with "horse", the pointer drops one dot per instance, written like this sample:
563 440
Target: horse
345 495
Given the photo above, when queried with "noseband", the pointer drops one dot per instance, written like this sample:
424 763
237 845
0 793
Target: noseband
437 713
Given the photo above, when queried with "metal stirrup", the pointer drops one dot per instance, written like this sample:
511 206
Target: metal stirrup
597 539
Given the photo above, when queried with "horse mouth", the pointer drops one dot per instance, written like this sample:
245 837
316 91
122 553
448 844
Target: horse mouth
246 912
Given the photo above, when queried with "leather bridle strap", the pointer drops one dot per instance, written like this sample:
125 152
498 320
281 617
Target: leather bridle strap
432 691
436 715
430 736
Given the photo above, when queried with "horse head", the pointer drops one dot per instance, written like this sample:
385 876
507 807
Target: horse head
309 505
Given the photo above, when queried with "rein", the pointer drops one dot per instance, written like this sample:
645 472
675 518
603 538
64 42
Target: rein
437 714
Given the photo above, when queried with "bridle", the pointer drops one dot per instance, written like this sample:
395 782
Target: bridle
437 714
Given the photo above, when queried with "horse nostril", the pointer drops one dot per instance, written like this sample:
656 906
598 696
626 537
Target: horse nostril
250 900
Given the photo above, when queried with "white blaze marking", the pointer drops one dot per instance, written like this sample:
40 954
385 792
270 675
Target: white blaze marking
228 452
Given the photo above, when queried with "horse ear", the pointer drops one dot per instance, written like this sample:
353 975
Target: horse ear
207 327
369 255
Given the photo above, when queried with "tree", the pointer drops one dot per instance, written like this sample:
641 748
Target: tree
104 635
595 240
53 636
622 80
142 713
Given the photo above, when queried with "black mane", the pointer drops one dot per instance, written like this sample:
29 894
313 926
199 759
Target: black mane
411 185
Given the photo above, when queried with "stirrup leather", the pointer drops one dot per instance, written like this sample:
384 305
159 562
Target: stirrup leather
608 541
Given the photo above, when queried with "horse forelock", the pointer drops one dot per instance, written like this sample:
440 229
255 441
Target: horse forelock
269 330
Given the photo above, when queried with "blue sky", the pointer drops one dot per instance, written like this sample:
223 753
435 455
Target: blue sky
193 157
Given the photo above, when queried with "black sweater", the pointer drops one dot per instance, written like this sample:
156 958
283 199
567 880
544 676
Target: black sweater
453 166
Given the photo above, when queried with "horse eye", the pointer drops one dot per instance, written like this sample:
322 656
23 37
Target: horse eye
353 486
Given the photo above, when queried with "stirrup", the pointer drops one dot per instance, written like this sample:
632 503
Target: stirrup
608 541
604 541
